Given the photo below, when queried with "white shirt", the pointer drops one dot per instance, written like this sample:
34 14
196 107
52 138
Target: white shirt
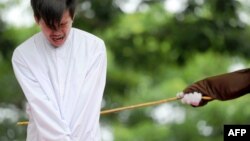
63 86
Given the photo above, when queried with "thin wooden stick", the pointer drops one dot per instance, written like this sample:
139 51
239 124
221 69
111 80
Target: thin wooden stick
137 106
104 112
23 123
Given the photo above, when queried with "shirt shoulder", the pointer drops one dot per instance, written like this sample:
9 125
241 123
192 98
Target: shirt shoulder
89 40
27 47
85 34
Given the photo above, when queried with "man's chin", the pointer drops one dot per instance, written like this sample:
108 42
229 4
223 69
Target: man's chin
57 44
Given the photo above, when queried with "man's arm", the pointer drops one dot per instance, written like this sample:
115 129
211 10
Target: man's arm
222 87
92 88
46 116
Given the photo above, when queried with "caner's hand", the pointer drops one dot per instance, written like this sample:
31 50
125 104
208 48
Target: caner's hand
221 87
193 99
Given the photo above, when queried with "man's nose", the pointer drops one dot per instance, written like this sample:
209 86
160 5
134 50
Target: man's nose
57 30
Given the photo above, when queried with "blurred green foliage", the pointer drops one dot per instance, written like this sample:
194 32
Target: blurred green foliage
152 55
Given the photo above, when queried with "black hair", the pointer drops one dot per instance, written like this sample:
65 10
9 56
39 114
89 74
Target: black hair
51 11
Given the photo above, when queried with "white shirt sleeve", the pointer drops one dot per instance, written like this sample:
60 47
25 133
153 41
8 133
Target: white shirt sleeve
93 87
50 125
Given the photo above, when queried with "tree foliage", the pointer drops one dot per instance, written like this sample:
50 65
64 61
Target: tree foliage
152 55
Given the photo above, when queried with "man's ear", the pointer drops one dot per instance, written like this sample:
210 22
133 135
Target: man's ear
36 19
73 18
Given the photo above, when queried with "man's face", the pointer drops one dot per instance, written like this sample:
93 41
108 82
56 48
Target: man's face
57 37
